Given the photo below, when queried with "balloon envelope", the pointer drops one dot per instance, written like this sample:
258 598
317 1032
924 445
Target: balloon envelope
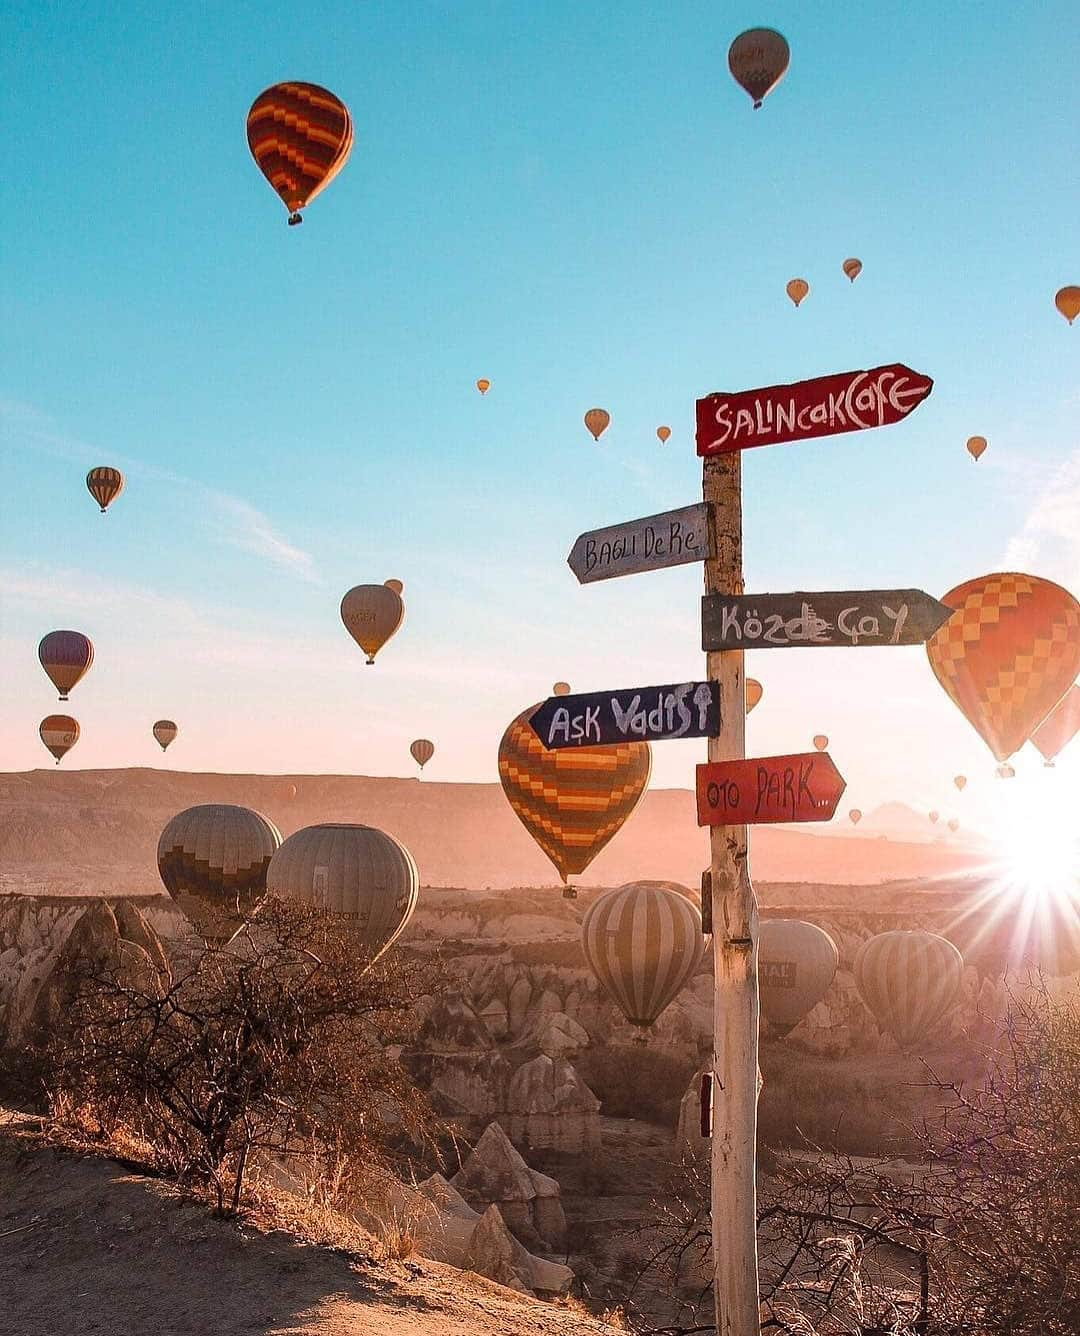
934 818
66 657
561 689
908 980
820 741
597 419
571 801
855 816
356 873
300 136
961 782
1007 654
754 693
165 731
1067 301
758 60
852 268
643 942
372 613
976 445
796 965
664 434
483 386
59 732
422 751
213 860
797 289
1060 726
395 585
104 485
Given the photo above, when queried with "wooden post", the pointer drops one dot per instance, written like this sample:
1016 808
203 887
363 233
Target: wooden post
735 942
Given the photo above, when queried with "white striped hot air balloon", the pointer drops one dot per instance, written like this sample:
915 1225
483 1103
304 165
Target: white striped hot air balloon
796 965
908 980
643 942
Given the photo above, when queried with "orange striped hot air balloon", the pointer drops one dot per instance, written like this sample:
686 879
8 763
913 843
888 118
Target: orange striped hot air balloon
852 268
59 732
104 485
597 420
165 731
422 751
754 693
1060 726
797 289
908 981
1007 655
643 942
300 136
572 802
66 657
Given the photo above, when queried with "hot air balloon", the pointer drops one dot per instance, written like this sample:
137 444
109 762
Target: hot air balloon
289 792
908 980
797 289
395 585
961 782
597 419
1060 726
300 136
483 385
66 657
954 825
1067 301
104 485
59 732
358 874
820 742
934 818
1007 655
561 689
754 693
796 965
664 434
852 268
758 60
643 942
855 816
1005 771
976 445
573 801
165 731
213 861
422 751
372 613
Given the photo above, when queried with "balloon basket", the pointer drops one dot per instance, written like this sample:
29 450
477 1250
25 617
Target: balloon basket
569 893
295 219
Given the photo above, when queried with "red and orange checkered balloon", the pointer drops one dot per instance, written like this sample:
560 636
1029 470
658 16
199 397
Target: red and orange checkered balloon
1007 655
571 801
300 135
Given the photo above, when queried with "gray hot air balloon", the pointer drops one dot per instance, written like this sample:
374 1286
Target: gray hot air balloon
213 861
356 873
908 980
796 965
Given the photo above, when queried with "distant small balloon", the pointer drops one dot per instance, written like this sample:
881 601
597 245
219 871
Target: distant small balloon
1068 302
59 732
561 689
854 816
754 693
797 290
597 420
395 585
954 825
976 445
758 60
483 385
422 751
104 485
664 434
165 731
820 741
853 268
961 782
934 818
1060 726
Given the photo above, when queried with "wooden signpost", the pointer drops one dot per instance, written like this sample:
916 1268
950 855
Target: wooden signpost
859 617
649 544
768 789
636 714
827 406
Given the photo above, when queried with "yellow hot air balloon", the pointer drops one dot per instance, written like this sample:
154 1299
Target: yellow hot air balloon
165 731
758 60
561 689
395 585
597 420
820 741
422 751
300 136
908 980
976 445
483 385
664 434
643 942
754 693
1068 302
961 782
360 875
855 816
797 290
59 732
213 861
372 613
66 657
796 964
852 268
572 801
104 485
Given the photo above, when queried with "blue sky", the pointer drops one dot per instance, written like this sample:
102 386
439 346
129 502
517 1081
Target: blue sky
575 201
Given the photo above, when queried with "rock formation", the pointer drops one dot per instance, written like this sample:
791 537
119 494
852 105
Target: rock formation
456 1063
494 1174
549 1107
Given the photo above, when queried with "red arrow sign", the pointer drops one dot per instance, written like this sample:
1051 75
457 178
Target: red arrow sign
760 791
827 406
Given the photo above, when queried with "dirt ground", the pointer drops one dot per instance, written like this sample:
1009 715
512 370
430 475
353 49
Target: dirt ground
87 1246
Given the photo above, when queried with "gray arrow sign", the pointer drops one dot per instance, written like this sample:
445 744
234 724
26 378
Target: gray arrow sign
858 617
649 544
634 714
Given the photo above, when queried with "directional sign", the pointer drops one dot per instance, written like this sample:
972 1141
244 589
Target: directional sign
857 617
670 539
636 714
850 401
769 789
